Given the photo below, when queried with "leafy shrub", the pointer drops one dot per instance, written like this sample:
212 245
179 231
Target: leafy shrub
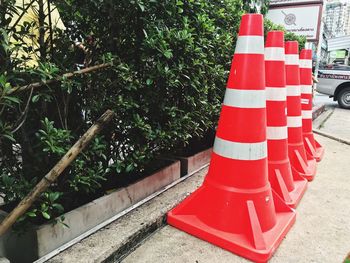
170 61
288 36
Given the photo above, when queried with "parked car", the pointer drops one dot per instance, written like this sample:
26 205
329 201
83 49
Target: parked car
335 66
334 80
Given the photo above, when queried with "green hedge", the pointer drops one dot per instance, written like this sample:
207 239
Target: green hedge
170 67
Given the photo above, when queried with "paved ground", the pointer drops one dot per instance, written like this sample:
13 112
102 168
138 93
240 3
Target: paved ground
335 120
338 123
324 99
320 234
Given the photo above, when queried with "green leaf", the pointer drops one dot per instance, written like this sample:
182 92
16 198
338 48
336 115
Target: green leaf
7 180
46 215
168 54
54 196
9 137
31 214
59 207
13 99
129 168
149 82
142 7
35 98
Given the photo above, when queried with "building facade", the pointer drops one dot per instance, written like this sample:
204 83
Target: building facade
337 18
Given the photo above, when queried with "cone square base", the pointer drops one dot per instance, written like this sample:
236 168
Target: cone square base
297 194
319 153
315 149
237 243
306 169
279 174
311 171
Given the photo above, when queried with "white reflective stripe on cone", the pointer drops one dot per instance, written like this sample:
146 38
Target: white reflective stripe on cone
305 63
292 59
250 45
306 89
307 114
293 90
294 121
276 94
239 150
277 133
245 98
304 101
274 54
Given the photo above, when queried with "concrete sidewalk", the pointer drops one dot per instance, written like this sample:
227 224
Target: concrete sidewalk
320 234
336 121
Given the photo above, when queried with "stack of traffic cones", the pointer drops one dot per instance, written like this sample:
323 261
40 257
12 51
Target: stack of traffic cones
259 163
305 66
289 185
303 162
236 208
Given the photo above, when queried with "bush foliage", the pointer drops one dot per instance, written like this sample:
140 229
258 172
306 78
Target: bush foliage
170 61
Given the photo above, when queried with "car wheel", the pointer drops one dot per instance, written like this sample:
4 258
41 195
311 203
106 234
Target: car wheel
344 98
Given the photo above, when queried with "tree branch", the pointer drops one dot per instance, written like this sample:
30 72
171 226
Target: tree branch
59 79
55 172
23 13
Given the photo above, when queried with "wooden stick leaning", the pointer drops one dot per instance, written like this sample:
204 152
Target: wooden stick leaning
67 75
55 172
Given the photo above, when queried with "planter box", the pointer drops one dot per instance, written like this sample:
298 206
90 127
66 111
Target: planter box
43 239
317 111
194 162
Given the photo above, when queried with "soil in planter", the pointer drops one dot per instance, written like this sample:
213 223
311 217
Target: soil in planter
115 182
71 201
196 145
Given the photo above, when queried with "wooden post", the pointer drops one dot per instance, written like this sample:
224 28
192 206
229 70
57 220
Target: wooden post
55 172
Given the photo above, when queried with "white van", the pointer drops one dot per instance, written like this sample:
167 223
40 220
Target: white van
335 82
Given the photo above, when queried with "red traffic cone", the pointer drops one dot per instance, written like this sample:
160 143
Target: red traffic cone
235 207
303 162
290 188
305 67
